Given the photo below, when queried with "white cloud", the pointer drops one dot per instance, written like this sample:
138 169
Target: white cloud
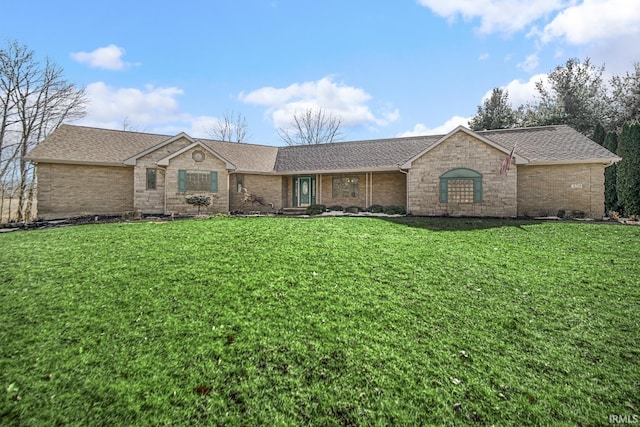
150 109
483 57
595 20
422 129
201 125
108 57
347 102
109 106
506 16
520 92
530 63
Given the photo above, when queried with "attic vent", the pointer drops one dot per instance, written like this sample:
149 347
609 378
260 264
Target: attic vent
198 156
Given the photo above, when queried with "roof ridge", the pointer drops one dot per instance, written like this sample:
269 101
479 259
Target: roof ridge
521 129
117 130
366 141
206 140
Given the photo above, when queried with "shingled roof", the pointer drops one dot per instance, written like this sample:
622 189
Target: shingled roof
551 144
539 145
87 145
357 155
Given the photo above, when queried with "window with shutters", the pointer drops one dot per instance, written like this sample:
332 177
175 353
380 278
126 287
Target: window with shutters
461 185
203 181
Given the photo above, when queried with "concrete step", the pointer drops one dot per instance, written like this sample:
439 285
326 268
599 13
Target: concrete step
294 211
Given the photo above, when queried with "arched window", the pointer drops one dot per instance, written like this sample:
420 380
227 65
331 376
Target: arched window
461 185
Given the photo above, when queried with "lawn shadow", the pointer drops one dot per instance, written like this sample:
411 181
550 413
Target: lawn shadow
459 224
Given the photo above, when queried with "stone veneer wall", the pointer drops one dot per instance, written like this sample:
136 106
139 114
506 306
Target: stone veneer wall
268 187
544 190
152 201
74 190
175 201
462 151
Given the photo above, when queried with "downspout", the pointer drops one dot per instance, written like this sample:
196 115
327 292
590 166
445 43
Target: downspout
366 190
165 188
407 188
370 188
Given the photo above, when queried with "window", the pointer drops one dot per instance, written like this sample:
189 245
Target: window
460 190
461 185
151 178
203 181
346 187
239 182
198 156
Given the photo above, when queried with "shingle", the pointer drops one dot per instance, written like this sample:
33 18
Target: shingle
549 144
78 144
246 157
381 153
91 145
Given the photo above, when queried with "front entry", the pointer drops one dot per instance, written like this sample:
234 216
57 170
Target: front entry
304 191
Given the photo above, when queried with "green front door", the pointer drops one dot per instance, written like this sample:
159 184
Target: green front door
304 191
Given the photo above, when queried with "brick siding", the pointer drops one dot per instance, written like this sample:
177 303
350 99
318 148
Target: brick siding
266 187
544 190
73 190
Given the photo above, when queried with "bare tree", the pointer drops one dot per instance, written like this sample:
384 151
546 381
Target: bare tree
34 100
232 127
312 127
128 125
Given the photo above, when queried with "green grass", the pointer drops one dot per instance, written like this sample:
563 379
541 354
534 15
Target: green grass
324 321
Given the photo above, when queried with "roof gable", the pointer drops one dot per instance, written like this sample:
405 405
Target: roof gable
165 161
518 159
133 159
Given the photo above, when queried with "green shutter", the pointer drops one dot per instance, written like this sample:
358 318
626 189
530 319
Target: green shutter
444 193
182 181
477 190
214 182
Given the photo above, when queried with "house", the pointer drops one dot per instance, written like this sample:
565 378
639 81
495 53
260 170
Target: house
89 171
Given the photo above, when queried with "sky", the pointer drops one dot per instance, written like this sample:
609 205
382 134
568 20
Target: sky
385 68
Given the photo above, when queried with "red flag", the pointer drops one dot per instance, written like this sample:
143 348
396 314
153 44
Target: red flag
507 162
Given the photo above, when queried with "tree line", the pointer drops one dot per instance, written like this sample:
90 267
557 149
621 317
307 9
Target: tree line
577 95
34 100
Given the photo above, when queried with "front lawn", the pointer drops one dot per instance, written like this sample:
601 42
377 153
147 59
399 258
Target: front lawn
322 321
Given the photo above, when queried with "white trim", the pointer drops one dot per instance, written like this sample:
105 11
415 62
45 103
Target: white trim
330 171
133 160
605 162
518 159
78 162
